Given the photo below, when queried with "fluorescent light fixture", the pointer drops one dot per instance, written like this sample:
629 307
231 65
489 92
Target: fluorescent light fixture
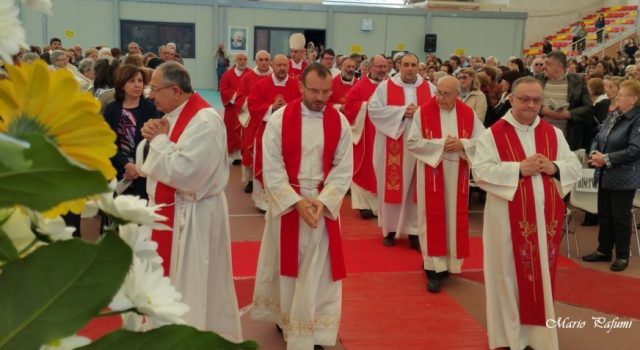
374 3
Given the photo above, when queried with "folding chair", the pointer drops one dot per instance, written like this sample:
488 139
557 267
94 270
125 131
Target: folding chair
634 211
584 196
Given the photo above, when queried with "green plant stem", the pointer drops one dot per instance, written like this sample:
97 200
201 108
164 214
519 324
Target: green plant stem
112 313
29 246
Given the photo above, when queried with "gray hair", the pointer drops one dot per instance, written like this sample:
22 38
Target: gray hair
86 65
29 57
56 54
263 51
104 52
525 80
173 73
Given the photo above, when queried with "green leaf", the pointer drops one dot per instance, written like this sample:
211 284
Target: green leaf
56 290
41 177
168 337
8 251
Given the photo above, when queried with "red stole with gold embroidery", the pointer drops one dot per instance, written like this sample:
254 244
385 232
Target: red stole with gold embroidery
394 148
165 194
522 217
434 193
292 157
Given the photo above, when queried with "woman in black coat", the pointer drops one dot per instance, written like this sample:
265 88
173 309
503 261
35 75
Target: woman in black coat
126 116
615 153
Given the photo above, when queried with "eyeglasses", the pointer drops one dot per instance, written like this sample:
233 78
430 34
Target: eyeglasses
155 89
538 64
381 66
526 100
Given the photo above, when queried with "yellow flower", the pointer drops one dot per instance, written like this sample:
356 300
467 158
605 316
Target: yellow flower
37 100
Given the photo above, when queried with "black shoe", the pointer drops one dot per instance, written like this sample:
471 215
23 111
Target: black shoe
596 256
619 265
278 328
318 347
434 285
389 240
366 214
414 243
590 220
249 187
236 162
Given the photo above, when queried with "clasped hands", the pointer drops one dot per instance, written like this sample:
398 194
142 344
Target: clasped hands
154 127
596 159
453 144
411 109
310 210
537 164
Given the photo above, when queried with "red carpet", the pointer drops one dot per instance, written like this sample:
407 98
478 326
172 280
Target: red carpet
591 289
393 311
367 255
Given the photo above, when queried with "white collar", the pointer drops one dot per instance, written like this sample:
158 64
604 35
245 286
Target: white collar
296 65
398 81
238 72
259 73
173 115
279 83
374 82
353 80
306 112
509 118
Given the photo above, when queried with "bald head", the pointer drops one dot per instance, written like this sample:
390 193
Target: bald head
280 66
263 54
378 69
447 92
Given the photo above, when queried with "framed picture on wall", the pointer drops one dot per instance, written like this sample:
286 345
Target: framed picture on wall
150 35
238 39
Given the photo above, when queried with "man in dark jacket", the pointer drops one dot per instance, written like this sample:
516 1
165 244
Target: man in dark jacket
567 104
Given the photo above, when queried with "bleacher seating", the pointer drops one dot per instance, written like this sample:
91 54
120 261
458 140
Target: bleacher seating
617 18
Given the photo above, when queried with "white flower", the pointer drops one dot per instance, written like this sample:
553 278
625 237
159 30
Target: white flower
12 34
55 228
139 239
43 6
69 343
151 294
128 209
133 322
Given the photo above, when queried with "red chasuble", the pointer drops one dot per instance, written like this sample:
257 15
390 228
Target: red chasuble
247 82
297 73
363 172
339 90
394 148
228 88
292 157
165 194
434 194
522 216
261 98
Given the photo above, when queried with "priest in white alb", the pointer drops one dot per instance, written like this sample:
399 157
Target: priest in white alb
442 139
307 171
525 165
391 107
187 169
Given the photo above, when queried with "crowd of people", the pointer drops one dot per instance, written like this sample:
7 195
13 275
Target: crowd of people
404 135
